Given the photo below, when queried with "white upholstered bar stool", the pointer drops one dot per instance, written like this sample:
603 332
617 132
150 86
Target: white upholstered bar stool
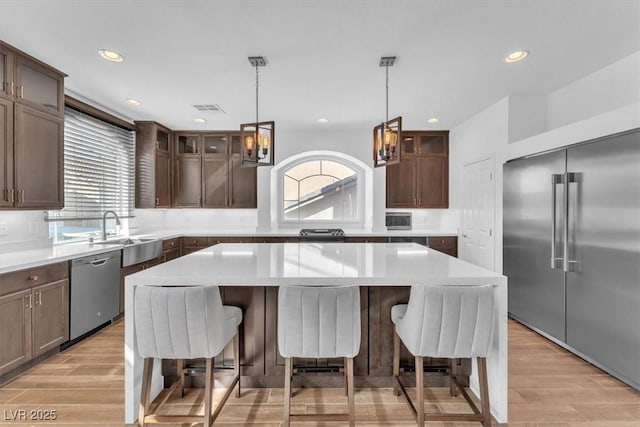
318 322
445 322
184 322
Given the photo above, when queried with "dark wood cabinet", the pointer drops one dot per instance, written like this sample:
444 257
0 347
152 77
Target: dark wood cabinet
15 333
153 166
38 159
445 244
34 313
372 239
50 316
222 182
6 153
421 179
31 132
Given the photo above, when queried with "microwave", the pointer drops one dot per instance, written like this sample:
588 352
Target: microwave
398 220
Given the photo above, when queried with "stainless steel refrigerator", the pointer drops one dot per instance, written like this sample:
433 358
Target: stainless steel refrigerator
572 249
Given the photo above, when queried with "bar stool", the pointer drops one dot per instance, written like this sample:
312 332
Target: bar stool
319 322
184 322
448 322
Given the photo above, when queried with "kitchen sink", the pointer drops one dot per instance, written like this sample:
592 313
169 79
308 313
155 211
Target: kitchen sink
136 250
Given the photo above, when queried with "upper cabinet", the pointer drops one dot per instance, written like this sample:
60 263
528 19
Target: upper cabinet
421 179
153 166
208 174
31 132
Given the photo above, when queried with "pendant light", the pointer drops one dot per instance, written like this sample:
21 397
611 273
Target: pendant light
257 137
386 136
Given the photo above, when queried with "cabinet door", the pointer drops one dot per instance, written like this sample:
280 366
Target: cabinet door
252 302
38 152
15 333
6 152
163 179
242 185
188 182
401 184
216 174
433 182
39 87
50 316
7 86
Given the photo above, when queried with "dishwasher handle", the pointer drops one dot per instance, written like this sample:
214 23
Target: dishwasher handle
99 262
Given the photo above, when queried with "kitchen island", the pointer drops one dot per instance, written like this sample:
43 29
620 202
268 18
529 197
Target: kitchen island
369 265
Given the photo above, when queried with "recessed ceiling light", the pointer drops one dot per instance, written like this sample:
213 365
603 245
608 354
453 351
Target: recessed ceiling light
133 101
516 56
433 120
322 120
199 120
110 55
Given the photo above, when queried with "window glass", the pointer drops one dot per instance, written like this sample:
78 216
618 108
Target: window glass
320 190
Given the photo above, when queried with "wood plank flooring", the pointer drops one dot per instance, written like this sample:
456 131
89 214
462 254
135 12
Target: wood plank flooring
547 387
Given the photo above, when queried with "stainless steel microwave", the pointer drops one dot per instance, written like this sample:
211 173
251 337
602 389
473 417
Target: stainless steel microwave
398 220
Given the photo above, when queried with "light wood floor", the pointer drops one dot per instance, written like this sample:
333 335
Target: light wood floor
547 387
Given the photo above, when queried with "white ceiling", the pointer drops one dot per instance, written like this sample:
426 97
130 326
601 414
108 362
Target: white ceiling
322 55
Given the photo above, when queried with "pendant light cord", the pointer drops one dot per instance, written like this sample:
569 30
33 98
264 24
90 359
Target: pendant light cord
257 84
387 90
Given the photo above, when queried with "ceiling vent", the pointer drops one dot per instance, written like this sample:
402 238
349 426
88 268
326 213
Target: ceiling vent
209 108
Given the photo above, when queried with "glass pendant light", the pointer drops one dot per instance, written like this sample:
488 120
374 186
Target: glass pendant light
257 137
386 136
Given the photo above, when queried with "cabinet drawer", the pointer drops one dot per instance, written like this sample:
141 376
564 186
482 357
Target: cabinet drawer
223 239
169 244
28 278
170 254
440 241
195 241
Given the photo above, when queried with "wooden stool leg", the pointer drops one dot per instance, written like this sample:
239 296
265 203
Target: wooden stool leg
236 359
346 378
350 391
288 372
208 397
396 361
484 391
453 371
180 373
147 370
419 390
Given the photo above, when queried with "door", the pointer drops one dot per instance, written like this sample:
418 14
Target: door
50 316
401 184
478 214
603 288
38 159
536 291
242 185
15 333
6 152
432 176
188 182
215 172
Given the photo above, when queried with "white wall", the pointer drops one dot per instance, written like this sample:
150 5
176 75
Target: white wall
23 230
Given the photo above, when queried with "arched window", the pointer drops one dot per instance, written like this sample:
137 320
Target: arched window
328 188
320 190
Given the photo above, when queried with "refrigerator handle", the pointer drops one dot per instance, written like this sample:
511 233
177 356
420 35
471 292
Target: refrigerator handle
555 180
567 265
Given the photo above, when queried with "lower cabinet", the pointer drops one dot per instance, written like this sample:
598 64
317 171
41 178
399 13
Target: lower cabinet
131 269
34 313
444 244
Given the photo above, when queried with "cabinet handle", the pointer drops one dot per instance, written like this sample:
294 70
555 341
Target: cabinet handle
11 88
21 88
157 201
20 196
172 243
38 298
12 195
33 277
28 301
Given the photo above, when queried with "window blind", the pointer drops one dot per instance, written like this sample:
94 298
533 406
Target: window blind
99 168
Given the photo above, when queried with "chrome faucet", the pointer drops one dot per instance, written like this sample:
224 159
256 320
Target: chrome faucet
104 223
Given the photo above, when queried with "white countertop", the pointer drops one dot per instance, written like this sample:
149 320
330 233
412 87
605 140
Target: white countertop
250 264
19 260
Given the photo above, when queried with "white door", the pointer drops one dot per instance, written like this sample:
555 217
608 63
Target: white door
478 214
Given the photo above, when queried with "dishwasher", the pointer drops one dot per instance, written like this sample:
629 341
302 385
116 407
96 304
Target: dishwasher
94 292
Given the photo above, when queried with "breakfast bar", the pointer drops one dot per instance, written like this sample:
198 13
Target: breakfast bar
372 265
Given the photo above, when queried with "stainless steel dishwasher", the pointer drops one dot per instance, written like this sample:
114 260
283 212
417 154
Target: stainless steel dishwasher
95 292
